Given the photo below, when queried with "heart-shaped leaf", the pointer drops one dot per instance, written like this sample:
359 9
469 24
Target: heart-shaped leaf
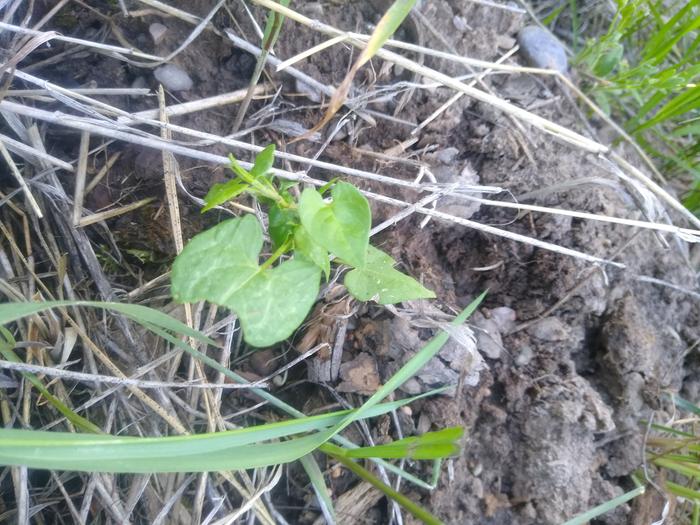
305 245
220 265
379 281
341 227
276 301
216 263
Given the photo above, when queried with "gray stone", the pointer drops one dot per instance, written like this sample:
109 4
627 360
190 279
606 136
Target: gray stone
542 49
157 32
173 78
550 329
488 336
504 317
523 355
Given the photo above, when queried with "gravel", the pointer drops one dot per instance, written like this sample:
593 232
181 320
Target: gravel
173 78
541 49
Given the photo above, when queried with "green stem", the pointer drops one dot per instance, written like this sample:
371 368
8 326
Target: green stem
278 253
272 31
415 509
6 350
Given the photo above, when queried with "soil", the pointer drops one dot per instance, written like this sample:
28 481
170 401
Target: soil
572 357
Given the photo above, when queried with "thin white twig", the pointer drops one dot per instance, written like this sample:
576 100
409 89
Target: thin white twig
20 180
112 380
116 50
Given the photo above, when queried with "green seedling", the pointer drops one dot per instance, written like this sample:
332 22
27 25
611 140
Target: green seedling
272 298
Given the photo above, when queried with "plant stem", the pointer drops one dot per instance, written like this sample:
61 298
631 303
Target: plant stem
362 473
272 31
278 253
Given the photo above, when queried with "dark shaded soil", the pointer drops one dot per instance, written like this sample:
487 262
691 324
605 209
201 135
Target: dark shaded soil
554 416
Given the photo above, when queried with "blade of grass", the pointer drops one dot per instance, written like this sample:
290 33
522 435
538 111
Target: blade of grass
230 450
319 485
432 445
601 509
406 503
141 314
272 31
15 311
6 349
386 27
683 492
681 467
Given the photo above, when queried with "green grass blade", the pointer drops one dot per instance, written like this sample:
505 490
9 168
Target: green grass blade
273 25
76 458
235 449
601 509
13 311
413 365
416 510
683 404
159 323
681 467
432 445
323 496
6 349
386 27
682 491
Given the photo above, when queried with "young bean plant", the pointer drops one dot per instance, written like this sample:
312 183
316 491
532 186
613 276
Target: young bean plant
271 299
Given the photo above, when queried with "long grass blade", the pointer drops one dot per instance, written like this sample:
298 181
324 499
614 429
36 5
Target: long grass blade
386 27
313 471
141 314
416 510
601 509
6 349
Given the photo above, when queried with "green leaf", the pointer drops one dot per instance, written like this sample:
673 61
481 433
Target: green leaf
260 185
218 262
220 265
275 302
224 192
379 281
263 162
282 222
341 227
608 59
305 245
7 344
603 508
233 449
432 445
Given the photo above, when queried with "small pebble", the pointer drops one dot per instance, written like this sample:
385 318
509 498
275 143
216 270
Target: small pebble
550 329
460 23
157 32
524 355
504 317
541 49
173 78
447 155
